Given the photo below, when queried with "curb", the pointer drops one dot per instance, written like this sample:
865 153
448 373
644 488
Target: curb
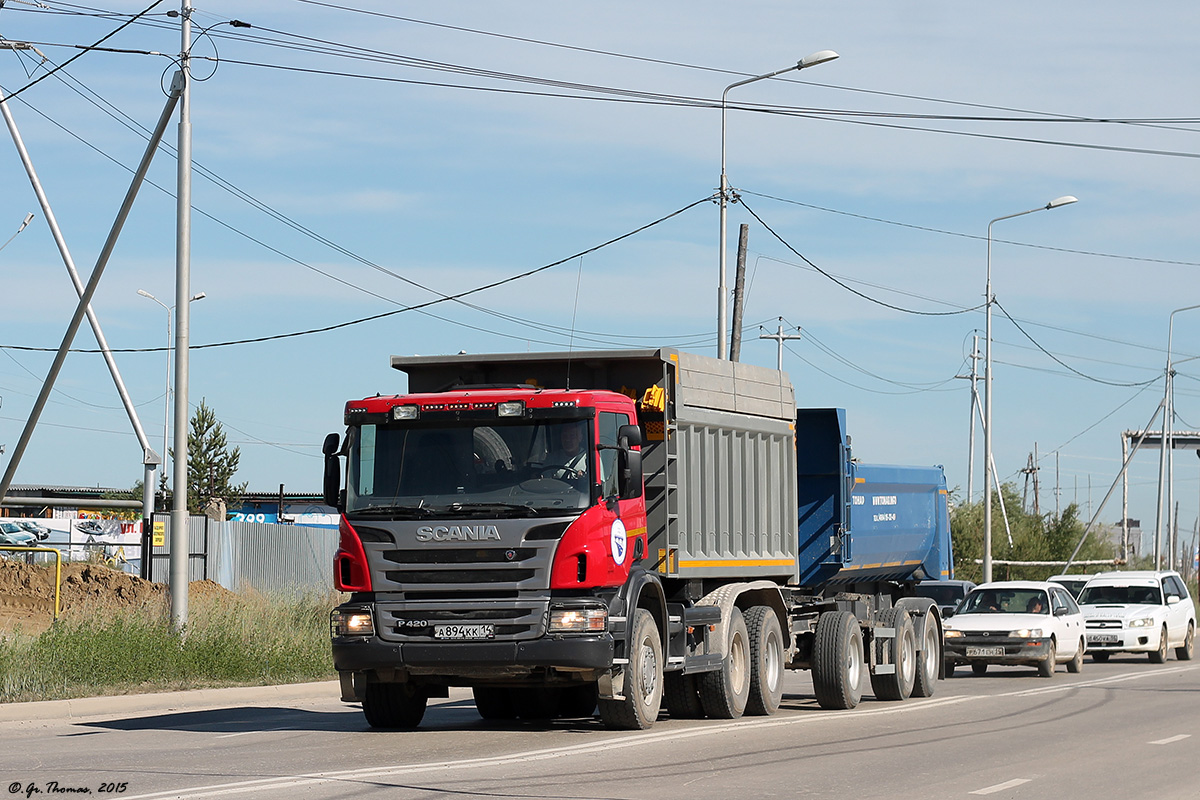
162 702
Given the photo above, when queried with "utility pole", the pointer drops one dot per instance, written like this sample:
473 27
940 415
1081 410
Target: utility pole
974 378
780 337
180 544
739 294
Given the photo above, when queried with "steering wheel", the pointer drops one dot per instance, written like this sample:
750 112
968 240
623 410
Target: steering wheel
558 472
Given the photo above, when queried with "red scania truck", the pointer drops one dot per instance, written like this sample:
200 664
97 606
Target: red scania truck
622 529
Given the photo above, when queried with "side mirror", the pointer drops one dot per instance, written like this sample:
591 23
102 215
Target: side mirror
1172 599
1060 611
332 483
629 477
629 436
948 613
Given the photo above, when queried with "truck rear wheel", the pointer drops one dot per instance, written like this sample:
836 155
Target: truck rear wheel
643 684
929 658
766 661
394 705
899 651
724 693
682 696
494 703
837 660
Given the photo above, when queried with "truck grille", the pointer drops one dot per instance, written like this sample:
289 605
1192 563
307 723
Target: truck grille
415 621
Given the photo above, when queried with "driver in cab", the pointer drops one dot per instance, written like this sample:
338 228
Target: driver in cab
568 461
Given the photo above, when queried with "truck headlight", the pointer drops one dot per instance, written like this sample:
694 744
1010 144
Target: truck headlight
1144 622
351 623
590 619
511 408
1026 633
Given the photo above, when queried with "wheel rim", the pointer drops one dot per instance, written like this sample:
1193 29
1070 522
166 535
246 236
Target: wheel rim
649 669
738 662
931 649
908 651
854 665
773 669
1162 643
1190 641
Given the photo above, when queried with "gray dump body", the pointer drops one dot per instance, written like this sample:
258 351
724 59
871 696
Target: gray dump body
719 458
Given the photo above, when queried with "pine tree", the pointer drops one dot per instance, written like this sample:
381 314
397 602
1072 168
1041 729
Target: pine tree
211 463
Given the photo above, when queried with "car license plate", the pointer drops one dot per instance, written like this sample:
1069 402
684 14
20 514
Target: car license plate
1101 638
486 631
984 651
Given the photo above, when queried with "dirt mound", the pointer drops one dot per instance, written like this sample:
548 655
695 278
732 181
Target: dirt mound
27 593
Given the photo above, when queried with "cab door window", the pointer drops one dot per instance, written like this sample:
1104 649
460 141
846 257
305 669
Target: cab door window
608 424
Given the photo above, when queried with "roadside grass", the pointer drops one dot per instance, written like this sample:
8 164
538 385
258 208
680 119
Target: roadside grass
231 640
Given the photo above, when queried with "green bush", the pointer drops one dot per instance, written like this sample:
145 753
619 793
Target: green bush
231 639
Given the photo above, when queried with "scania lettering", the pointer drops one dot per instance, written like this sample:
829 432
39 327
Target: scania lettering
622 531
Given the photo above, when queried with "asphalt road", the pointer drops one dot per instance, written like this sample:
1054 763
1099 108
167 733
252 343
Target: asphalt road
1122 729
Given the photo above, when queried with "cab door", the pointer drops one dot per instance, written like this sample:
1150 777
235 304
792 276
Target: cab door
627 517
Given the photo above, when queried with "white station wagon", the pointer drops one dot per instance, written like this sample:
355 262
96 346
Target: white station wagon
1139 612
1016 622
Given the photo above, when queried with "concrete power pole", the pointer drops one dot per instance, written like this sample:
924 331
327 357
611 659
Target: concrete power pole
780 337
180 544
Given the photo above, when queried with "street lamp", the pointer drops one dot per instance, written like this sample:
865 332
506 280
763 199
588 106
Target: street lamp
167 399
1168 444
819 57
987 387
28 219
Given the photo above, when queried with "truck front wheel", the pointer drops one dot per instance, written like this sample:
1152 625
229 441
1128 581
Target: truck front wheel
837 660
643 685
394 705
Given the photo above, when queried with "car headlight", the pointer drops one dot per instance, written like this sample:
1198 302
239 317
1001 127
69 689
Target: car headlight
1026 633
590 619
352 623
949 634
1144 622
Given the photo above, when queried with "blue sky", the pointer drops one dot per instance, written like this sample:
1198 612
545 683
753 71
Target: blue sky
431 165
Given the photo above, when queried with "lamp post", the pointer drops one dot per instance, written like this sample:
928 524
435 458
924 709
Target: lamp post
819 57
1167 475
987 387
167 398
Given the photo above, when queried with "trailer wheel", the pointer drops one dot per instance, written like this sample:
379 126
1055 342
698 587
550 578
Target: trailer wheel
494 703
766 661
900 651
724 693
929 659
643 680
682 696
837 660
394 705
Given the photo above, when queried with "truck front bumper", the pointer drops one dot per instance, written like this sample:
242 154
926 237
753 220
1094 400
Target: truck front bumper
571 653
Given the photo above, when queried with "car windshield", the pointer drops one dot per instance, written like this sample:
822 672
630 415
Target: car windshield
941 594
467 468
1123 595
1006 601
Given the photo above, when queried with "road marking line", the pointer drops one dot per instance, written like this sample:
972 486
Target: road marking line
608 743
1173 739
1000 787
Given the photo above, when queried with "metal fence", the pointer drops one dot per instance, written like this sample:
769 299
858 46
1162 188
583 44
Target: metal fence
274 559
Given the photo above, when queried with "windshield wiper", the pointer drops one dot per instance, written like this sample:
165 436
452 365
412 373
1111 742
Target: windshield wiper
411 512
505 509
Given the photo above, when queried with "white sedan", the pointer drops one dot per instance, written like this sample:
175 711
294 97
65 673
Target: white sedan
1016 622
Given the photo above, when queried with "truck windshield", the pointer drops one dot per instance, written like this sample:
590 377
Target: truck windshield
518 468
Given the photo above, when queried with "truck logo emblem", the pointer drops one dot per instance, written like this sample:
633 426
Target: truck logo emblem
510 554
457 533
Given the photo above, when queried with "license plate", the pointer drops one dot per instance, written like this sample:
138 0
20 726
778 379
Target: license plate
985 651
1101 638
487 631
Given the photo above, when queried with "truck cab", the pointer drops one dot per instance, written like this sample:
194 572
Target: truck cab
484 532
